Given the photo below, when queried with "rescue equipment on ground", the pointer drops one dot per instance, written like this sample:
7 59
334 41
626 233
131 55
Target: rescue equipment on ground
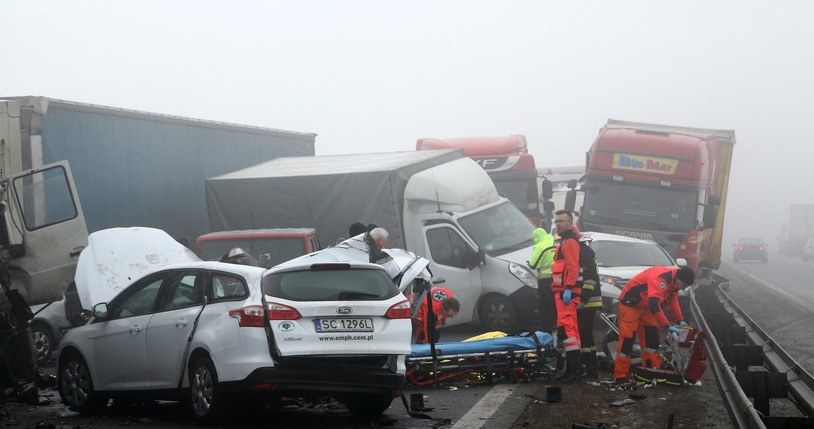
512 357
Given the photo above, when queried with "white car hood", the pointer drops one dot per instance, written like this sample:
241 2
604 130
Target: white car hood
520 257
116 257
625 273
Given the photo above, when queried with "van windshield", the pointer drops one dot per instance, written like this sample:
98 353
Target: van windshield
499 229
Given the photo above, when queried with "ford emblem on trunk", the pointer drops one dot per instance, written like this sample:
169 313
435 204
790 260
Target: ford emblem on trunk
344 310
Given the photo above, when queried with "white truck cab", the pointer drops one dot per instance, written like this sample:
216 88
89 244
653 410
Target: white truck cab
42 227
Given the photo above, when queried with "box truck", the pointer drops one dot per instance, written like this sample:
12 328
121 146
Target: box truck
436 203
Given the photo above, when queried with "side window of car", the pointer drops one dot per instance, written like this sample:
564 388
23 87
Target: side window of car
138 299
184 290
447 247
225 287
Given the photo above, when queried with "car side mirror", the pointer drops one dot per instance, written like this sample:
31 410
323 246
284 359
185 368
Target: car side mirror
100 310
475 259
548 190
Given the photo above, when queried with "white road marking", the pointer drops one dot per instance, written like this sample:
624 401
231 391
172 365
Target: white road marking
481 412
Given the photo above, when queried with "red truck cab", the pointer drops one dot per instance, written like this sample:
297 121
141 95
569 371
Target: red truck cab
662 183
508 163
269 246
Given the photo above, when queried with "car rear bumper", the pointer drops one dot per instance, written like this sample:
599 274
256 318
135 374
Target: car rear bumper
323 381
750 254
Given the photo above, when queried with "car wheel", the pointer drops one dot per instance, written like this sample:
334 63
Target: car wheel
43 343
204 396
76 387
366 406
497 313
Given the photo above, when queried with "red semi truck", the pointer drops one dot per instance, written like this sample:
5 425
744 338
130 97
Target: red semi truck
660 182
508 163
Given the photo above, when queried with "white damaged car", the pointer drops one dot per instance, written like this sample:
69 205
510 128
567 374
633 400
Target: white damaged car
330 323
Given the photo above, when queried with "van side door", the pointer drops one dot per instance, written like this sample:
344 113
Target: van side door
450 258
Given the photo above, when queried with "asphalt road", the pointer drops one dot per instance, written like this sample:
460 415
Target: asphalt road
459 406
778 295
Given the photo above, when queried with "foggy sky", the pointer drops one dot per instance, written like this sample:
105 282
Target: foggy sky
374 76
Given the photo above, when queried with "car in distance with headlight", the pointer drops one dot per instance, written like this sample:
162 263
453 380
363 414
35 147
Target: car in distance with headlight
750 249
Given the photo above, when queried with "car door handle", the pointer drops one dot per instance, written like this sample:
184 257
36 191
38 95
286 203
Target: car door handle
135 329
181 323
76 251
438 281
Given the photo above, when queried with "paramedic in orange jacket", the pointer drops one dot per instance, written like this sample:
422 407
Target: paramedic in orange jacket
444 305
566 284
641 303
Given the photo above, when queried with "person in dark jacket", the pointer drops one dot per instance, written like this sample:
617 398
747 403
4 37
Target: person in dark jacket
590 303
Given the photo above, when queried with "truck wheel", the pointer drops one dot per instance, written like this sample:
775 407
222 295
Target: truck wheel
76 387
497 313
43 342
366 406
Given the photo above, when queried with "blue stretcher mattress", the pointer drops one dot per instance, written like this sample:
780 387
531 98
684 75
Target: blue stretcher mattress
522 341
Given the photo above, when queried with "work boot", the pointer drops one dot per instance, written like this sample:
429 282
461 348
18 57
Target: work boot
573 367
590 364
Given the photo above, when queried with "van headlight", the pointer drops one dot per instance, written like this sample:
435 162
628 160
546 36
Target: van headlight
523 274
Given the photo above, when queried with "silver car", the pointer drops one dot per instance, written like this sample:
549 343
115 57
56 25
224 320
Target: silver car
47 326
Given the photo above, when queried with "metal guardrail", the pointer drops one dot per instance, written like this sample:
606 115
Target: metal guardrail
750 346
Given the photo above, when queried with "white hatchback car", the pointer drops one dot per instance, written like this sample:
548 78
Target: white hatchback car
324 324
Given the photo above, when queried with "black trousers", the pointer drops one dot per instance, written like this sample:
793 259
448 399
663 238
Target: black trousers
548 310
585 324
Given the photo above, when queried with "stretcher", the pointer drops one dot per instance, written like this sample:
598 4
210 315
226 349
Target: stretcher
512 357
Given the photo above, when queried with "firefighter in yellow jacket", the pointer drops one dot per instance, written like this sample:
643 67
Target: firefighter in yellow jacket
542 258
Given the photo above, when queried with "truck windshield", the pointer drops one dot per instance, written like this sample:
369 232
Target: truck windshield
499 229
269 251
523 193
644 207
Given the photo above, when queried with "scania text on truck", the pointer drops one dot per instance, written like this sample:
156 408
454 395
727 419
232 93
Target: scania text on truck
508 163
662 183
438 204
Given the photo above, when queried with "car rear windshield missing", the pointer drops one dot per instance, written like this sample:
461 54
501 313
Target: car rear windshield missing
331 285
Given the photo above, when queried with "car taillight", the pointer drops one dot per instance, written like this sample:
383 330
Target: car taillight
248 317
399 311
282 312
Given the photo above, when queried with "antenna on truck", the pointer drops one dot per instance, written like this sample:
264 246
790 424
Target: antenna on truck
437 198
